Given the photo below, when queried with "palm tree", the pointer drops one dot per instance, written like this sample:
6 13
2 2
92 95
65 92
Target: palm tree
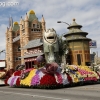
63 47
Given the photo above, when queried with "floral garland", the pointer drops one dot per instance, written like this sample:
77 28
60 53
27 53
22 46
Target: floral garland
35 80
58 77
27 80
14 80
48 80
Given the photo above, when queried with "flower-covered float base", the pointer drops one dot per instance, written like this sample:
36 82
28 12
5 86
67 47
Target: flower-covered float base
82 74
52 76
46 77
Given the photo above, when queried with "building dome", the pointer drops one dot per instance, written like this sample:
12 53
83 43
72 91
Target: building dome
15 23
31 12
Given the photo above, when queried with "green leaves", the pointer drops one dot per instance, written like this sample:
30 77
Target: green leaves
62 46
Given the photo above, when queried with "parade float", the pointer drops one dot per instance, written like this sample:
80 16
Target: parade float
50 68
40 58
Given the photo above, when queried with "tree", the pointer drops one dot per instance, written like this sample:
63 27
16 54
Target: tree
63 49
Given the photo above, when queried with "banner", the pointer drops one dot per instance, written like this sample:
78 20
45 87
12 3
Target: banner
93 44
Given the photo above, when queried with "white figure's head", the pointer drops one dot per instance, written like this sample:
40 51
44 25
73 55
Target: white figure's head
50 36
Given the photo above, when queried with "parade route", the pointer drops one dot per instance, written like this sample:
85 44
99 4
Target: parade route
88 92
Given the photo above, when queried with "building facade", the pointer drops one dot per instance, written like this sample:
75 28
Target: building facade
78 45
19 34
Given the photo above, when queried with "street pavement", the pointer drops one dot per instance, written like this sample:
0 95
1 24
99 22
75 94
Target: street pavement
88 92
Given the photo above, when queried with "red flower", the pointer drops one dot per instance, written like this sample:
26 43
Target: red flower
6 81
48 80
9 73
17 73
69 78
18 82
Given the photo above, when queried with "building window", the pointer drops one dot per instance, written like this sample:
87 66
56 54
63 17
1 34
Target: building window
31 29
8 39
34 29
22 26
34 25
38 26
19 48
17 34
17 58
23 30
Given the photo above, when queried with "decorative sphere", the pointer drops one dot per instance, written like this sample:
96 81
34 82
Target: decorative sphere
73 19
51 67
40 59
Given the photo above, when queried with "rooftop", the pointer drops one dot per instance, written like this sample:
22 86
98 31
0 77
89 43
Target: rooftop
33 43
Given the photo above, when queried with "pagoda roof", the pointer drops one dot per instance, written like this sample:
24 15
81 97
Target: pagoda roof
79 38
74 33
74 24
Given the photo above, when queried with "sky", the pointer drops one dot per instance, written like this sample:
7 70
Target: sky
86 13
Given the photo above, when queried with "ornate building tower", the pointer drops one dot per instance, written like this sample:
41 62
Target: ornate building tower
43 24
10 48
30 29
19 35
7 39
26 29
22 30
79 51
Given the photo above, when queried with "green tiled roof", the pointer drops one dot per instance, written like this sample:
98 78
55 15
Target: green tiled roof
32 17
16 27
33 43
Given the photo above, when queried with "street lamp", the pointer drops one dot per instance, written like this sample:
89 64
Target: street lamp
63 22
63 64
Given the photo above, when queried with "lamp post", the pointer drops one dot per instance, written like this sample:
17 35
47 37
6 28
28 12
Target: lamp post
63 64
63 22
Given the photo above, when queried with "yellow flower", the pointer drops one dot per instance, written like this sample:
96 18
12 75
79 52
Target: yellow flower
27 80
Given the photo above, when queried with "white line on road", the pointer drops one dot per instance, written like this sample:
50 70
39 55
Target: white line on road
34 95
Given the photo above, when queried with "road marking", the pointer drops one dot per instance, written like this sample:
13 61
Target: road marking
85 88
35 95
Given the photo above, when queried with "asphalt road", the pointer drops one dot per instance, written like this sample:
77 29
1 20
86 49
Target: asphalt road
89 92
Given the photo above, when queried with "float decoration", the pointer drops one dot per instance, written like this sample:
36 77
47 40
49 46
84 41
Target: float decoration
49 72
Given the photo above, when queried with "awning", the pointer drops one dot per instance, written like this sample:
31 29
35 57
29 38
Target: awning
2 64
